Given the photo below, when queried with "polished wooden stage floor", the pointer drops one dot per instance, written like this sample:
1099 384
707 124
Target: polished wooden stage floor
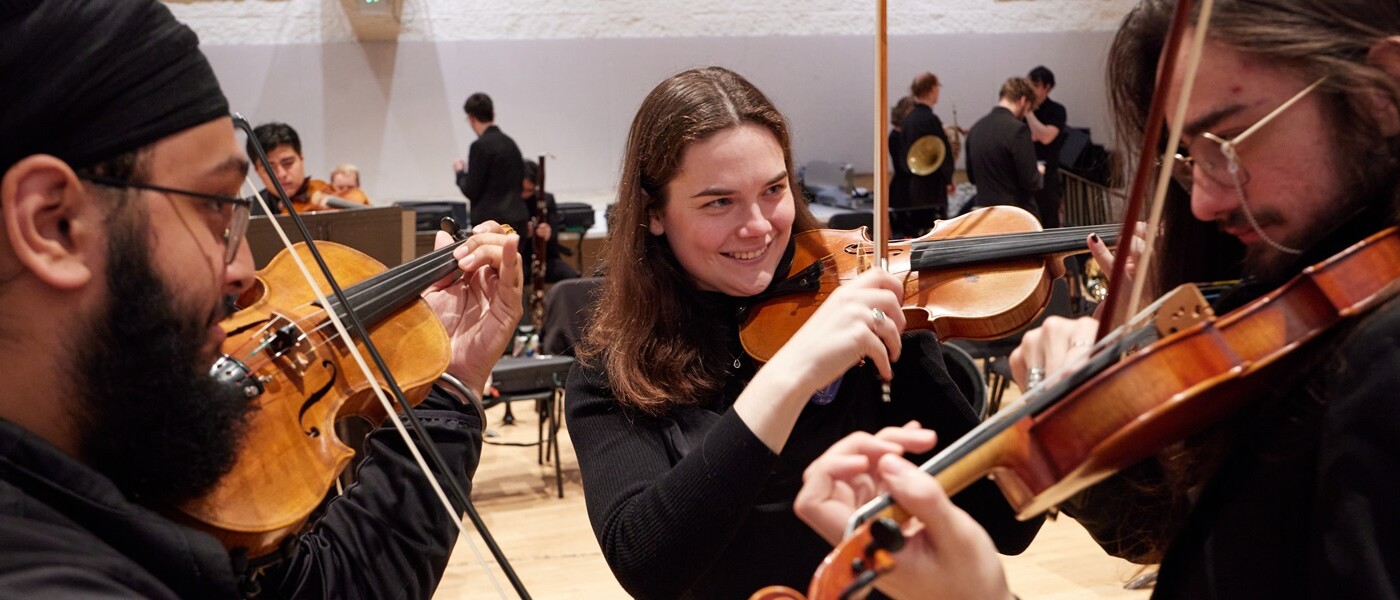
550 544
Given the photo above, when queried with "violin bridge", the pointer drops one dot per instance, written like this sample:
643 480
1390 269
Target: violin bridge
864 258
1181 309
287 341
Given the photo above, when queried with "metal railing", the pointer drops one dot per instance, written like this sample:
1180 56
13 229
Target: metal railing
1088 203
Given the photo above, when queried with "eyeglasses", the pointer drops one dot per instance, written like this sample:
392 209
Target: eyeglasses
1219 160
235 211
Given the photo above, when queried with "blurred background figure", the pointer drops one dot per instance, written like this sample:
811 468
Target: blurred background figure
555 267
345 179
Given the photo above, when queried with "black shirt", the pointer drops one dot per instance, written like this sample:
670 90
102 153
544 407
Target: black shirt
495 172
67 532
1001 161
693 504
1052 114
931 189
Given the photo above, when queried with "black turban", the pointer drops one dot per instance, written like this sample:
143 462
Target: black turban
86 80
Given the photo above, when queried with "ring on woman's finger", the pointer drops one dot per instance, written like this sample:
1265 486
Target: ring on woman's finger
879 315
1034 376
1080 343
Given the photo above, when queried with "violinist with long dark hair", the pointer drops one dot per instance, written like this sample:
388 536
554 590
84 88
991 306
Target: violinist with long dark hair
121 249
1291 143
691 453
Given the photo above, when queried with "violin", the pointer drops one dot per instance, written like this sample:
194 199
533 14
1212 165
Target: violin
1142 389
980 276
289 355
320 196
282 350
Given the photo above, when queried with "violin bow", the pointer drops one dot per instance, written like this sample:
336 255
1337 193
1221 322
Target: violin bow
458 493
1147 161
880 193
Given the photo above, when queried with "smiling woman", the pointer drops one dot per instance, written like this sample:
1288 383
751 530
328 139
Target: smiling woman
731 217
691 453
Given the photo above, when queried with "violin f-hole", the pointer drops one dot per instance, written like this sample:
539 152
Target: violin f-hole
316 397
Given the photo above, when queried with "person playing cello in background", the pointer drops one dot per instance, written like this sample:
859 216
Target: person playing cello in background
121 251
1294 496
691 454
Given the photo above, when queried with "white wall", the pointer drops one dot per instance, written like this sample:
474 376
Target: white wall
240 22
394 108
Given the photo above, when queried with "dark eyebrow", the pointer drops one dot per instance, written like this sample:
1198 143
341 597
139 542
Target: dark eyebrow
726 192
1209 120
232 165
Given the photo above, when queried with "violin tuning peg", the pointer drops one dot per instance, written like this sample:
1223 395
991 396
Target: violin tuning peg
885 534
449 225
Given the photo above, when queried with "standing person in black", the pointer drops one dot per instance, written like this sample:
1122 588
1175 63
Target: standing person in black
691 453
1000 154
490 177
1294 495
555 268
899 184
927 193
1047 123
122 249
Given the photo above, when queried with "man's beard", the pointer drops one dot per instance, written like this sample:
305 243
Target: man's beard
1357 189
1262 261
151 418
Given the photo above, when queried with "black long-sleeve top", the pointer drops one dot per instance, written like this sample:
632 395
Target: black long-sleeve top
1001 161
492 181
693 505
931 189
67 532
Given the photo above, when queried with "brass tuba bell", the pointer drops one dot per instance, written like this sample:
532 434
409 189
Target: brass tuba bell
926 155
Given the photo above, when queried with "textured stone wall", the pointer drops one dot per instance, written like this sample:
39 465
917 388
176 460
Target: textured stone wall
319 21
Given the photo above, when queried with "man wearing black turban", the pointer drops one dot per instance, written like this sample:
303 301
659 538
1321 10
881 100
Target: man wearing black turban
121 240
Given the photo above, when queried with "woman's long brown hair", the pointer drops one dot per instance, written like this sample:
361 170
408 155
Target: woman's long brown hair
642 332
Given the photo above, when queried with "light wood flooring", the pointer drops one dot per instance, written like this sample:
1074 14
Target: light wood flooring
551 546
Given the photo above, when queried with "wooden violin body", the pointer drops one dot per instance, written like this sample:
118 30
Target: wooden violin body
290 454
321 196
1191 379
983 275
1129 402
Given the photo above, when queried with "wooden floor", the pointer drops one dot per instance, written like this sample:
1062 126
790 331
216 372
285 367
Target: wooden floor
551 546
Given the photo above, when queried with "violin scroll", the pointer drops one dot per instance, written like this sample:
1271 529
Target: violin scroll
852 567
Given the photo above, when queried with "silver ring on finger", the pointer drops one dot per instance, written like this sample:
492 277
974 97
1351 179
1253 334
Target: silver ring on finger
1034 376
1080 343
879 315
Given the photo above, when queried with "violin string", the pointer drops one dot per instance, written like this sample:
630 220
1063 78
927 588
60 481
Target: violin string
1058 237
1102 354
379 393
354 295
967 245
